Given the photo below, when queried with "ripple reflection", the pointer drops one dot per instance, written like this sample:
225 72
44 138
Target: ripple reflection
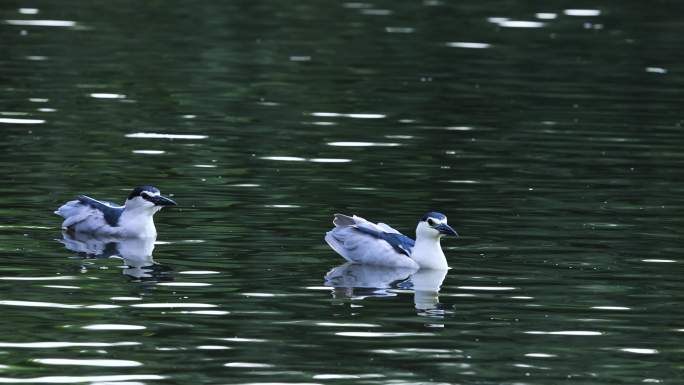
42 23
363 144
58 344
151 135
87 362
507 23
461 44
80 379
356 281
135 252
582 12
113 327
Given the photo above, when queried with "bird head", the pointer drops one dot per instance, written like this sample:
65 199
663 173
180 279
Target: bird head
147 198
434 225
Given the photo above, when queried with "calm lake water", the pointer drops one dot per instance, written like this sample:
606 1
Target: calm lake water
550 134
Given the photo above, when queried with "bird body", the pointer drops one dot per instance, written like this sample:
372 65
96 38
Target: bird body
364 242
133 219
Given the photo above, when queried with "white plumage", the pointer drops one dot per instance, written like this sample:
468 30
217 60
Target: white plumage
133 219
363 242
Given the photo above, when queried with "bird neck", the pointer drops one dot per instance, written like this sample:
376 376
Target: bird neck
137 221
427 252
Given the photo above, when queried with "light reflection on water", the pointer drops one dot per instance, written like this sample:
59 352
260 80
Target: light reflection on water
42 23
81 379
150 135
551 133
105 363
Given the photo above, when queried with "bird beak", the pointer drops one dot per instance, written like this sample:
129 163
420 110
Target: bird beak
445 229
161 200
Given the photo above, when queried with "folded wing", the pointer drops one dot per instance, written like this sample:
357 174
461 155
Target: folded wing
88 213
361 241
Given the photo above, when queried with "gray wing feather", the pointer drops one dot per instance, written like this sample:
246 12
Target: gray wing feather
110 211
342 220
88 214
386 228
356 243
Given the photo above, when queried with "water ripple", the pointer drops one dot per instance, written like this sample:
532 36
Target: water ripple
656 70
353 115
152 135
241 339
113 327
39 304
639 350
347 376
42 23
363 144
568 333
21 121
330 160
184 284
213 347
347 324
173 305
79 379
61 287
103 95
49 278
247 365
507 23
487 288
546 15
382 334
284 158
87 362
298 159
59 344
399 30
205 312
582 12
463 44
376 12
149 152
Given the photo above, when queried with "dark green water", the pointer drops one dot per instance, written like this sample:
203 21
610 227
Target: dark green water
554 145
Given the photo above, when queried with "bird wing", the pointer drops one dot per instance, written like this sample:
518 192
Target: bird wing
110 211
400 242
342 220
387 228
361 241
74 212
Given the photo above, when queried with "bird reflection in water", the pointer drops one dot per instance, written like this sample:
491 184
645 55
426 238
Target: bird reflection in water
136 253
355 281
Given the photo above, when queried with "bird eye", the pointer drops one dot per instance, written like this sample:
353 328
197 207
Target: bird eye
145 195
430 222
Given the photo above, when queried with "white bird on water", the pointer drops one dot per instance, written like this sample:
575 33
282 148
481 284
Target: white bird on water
364 242
133 219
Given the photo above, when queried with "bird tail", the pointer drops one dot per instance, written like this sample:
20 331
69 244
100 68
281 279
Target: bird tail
336 245
68 209
342 220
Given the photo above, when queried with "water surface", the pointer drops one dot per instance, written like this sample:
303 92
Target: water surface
550 135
